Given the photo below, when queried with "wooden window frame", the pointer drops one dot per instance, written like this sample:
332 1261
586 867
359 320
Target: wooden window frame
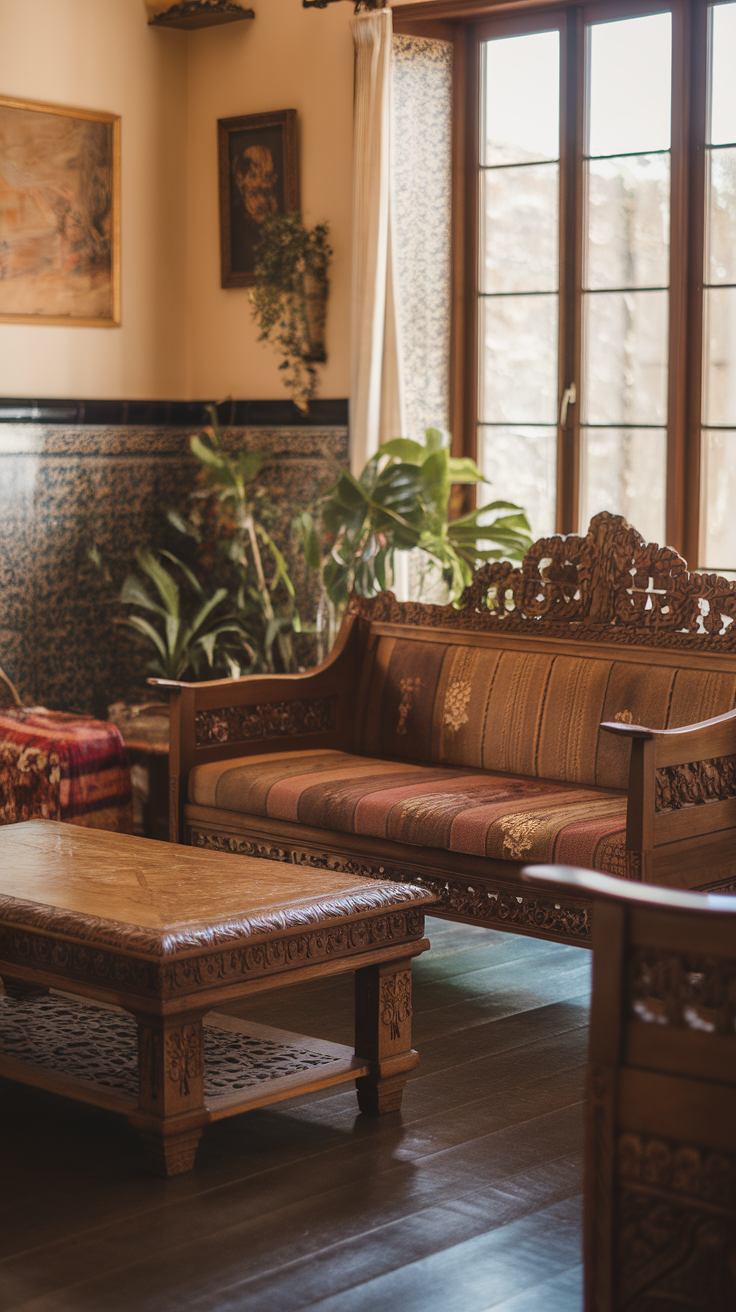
465 23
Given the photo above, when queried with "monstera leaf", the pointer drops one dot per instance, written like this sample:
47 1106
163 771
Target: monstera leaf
400 502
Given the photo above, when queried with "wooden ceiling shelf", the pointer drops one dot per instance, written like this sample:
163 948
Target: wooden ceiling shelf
201 13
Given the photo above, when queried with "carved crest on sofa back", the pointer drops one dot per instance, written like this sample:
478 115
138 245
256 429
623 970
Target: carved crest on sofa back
610 585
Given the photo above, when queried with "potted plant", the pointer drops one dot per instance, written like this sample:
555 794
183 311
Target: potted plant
400 502
223 603
289 298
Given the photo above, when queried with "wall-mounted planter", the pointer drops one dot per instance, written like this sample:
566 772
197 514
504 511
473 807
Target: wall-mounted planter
289 298
193 14
315 305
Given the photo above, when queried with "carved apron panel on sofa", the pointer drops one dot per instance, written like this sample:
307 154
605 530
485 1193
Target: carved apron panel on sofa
536 722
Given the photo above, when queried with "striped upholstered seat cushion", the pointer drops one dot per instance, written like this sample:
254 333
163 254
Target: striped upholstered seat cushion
461 810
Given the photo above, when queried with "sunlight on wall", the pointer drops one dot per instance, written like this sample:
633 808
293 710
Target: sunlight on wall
100 54
182 335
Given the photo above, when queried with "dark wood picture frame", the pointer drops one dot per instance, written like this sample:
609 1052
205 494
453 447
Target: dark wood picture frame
261 148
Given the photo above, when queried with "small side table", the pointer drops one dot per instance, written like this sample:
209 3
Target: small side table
145 732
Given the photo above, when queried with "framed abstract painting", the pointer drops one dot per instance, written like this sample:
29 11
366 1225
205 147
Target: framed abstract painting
59 215
259 177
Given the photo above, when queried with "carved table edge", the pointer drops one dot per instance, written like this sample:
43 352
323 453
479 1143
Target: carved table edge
43 957
137 941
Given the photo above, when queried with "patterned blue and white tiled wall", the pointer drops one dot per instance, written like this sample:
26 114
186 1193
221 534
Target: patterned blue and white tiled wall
64 487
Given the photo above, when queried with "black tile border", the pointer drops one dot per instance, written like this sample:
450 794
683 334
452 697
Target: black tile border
241 414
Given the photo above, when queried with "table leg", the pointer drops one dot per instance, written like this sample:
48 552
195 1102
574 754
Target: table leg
383 1034
21 991
171 1111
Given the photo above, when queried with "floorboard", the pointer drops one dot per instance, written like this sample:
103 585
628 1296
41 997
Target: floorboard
469 1199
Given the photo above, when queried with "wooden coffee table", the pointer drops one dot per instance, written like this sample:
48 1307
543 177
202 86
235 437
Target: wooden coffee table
156 936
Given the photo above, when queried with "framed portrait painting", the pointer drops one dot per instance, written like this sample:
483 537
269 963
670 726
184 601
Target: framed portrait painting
59 215
259 177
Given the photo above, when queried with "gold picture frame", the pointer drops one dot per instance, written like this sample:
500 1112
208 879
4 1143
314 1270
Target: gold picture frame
59 215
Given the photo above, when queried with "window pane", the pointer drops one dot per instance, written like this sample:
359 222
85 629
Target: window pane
719 494
625 360
628 222
721 229
719 383
520 229
518 337
521 80
630 75
521 464
624 472
723 75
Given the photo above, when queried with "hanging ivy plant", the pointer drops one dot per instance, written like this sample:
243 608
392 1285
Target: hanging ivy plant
289 297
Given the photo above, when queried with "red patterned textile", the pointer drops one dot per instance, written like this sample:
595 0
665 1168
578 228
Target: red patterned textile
55 766
478 812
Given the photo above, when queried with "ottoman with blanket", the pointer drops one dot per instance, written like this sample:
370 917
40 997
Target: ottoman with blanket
56 766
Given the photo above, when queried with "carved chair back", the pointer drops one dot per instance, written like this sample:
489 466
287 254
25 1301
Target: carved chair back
660 1158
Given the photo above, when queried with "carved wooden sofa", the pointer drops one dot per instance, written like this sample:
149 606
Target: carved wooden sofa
449 746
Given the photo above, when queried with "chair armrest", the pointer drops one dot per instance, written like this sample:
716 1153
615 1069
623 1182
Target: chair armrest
590 883
250 688
693 742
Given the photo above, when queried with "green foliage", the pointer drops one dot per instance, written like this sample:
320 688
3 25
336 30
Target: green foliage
400 502
233 542
187 633
233 612
289 298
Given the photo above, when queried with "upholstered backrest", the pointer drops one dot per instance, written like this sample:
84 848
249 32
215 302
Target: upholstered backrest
458 699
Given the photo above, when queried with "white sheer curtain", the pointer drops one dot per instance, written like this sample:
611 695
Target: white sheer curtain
376 409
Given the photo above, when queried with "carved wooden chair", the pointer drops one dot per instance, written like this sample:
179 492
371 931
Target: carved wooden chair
660 1161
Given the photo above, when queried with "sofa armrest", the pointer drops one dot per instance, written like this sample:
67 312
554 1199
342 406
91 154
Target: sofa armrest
250 688
682 784
693 742
222 718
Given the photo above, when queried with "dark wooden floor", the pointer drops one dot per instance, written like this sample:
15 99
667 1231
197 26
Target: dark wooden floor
467 1200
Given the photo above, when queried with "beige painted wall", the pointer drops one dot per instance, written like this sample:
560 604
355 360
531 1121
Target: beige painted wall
287 58
182 335
100 54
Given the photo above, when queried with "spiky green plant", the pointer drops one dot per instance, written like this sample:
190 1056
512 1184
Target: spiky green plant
261 593
187 629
